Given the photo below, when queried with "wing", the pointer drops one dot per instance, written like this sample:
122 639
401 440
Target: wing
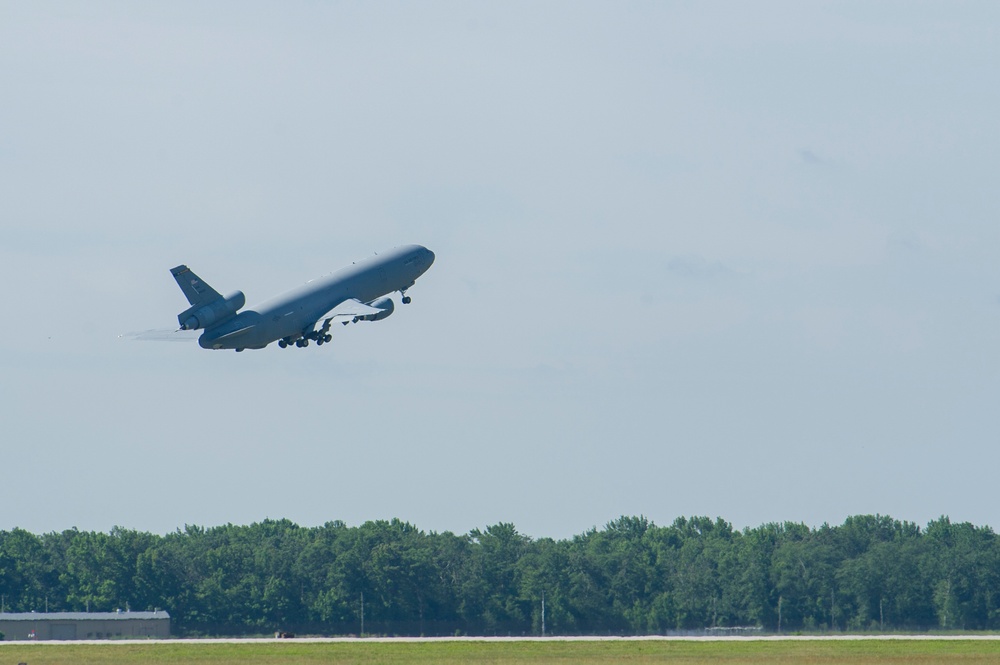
349 309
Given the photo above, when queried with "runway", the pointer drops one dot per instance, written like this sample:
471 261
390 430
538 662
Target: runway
571 638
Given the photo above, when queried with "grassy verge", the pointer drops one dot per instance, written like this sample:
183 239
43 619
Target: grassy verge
519 653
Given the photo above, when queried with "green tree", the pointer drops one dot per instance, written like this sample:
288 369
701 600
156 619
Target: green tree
494 559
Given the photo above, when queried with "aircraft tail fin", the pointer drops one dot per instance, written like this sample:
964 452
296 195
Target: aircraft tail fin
195 290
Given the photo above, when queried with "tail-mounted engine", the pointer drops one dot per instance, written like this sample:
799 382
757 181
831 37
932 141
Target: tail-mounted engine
214 313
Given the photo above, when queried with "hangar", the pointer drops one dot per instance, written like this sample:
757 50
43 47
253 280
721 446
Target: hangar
83 625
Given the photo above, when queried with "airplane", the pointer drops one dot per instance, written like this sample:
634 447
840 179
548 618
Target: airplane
359 292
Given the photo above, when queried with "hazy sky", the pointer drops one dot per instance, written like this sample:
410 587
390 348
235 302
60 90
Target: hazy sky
725 259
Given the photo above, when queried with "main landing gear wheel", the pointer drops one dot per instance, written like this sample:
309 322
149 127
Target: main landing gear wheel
282 343
328 338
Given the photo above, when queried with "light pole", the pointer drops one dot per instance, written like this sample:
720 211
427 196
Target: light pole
543 613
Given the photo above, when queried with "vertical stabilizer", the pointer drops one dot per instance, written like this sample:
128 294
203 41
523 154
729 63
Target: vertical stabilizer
195 290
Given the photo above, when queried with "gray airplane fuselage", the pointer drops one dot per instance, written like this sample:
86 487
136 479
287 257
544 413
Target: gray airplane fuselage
294 313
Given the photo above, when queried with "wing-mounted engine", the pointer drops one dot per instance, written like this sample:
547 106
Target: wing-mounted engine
213 313
384 304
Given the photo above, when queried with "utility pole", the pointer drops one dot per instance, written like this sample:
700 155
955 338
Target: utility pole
543 613
833 623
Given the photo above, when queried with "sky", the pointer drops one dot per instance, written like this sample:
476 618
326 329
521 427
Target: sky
725 259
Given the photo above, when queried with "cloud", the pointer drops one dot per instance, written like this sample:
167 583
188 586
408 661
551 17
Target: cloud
693 266
809 157
907 241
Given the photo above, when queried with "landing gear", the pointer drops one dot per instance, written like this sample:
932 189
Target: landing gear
239 350
321 337
406 298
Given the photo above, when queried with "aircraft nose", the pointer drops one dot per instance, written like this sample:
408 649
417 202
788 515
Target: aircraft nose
429 256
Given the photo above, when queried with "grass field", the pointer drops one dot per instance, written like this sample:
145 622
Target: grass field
500 653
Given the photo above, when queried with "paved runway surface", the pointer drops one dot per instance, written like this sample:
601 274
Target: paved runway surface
580 638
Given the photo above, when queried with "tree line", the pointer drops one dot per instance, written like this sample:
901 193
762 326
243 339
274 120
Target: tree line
630 577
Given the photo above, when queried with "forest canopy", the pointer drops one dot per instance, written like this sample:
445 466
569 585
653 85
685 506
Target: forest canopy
629 577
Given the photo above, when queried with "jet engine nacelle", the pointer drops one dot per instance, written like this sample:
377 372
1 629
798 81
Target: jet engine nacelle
384 304
206 316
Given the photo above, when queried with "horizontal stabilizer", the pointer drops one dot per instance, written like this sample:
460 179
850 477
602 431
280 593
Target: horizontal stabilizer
233 333
161 335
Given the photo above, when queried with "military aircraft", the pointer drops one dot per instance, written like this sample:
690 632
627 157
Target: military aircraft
359 292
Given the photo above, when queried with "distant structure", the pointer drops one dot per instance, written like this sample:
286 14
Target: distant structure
83 625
